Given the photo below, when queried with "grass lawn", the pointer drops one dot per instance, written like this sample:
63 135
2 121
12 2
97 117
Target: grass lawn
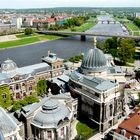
84 130
85 26
23 35
29 40
132 26
134 30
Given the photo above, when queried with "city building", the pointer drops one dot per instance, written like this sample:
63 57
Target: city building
99 88
50 119
21 82
42 22
55 62
137 15
129 129
17 21
18 82
9 129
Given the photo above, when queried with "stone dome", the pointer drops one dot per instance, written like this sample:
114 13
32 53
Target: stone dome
94 61
51 114
8 65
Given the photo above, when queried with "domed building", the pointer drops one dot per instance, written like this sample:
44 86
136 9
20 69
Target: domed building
97 86
50 119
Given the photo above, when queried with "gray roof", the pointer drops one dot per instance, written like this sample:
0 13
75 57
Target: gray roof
30 109
51 114
51 58
60 80
115 70
96 83
24 72
7 125
94 60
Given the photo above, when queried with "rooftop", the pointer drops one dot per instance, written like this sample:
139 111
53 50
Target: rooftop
132 123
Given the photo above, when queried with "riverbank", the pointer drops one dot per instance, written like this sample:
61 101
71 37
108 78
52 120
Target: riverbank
134 30
28 40
37 38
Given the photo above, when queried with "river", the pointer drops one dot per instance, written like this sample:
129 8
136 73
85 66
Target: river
64 48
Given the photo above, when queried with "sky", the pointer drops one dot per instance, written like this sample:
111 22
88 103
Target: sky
67 3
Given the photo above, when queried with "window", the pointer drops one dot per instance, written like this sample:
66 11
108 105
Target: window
135 137
4 95
49 134
17 86
62 131
123 132
30 88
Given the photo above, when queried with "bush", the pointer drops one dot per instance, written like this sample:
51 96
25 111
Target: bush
28 31
19 104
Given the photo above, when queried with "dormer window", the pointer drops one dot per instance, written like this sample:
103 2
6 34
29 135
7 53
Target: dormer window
135 137
123 132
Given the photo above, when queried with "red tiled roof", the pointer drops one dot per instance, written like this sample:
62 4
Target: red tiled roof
131 124
44 20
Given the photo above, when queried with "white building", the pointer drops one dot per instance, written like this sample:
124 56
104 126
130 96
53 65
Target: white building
17 21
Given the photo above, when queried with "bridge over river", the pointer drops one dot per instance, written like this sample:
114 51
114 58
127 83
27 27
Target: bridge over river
84 34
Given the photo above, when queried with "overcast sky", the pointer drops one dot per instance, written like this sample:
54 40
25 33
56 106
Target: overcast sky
67 3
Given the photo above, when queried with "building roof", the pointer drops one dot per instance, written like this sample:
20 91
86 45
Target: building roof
8 65
7 125
94 61
51 58
51 114
131 124
96 83
25 72
44 20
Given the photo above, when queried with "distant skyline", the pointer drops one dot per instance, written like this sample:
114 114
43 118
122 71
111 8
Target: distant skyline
17 4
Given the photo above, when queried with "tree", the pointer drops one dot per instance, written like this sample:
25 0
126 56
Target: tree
28 100
41 87
31 99
126 50
28 31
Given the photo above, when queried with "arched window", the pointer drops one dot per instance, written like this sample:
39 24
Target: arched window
4 95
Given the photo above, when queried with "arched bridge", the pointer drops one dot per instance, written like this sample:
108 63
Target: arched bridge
84 34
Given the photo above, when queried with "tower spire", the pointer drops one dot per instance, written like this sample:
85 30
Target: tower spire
94 41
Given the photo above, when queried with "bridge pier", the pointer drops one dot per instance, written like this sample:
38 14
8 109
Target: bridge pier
83 38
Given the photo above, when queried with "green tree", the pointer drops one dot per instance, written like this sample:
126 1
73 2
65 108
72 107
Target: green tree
126 50
28 100
16 106
28 31
112 45
31 99
41 87
5 97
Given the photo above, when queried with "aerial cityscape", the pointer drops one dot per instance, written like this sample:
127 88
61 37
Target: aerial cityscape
70 70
